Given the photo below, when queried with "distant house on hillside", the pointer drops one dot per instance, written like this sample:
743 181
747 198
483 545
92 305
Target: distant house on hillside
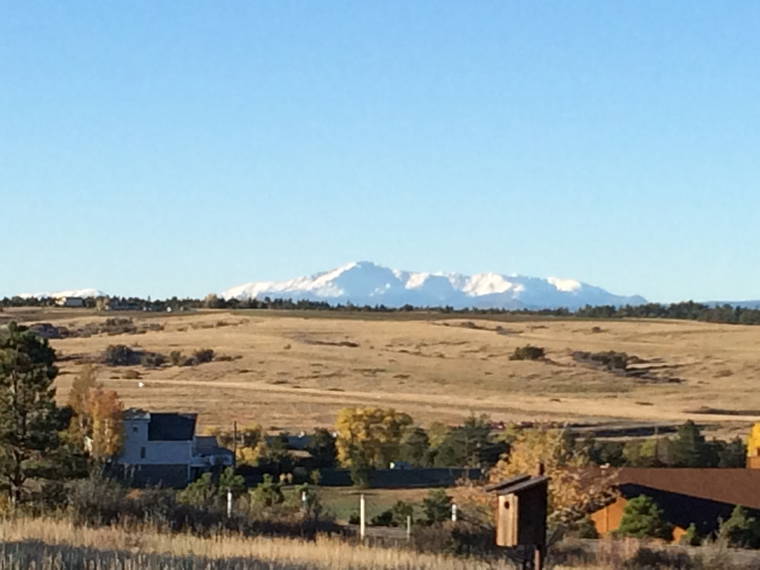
701 496
70 302
162 449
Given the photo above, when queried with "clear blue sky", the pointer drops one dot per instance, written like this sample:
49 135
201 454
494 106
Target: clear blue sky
184 147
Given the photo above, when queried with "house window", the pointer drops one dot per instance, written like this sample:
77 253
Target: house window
142 453
134 429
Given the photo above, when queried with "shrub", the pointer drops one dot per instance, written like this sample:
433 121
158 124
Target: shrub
383 519
152 359
96 500
740 530
460 538
691 536
528 352
203 355
583 528
395 516
120 355
436 506
268 493
176 358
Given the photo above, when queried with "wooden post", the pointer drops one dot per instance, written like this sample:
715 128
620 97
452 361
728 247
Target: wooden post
362 524
229 503
453 512
408 528
538 557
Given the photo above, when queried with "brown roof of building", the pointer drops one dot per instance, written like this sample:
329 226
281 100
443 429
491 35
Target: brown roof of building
732 486
516 484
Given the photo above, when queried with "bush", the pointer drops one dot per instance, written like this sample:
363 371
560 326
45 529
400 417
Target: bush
383 519
691 536
152 359
740 530
268 493
120 355
203 355
176 358
528 352
436 506
96 500
460 538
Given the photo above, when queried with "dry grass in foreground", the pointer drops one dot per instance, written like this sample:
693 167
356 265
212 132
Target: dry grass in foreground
55 544
51 544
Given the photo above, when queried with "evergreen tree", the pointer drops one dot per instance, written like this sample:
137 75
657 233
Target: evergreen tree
470 445
690 449
28 414
415 446
436 506
732 453
322 448
741 530
643 518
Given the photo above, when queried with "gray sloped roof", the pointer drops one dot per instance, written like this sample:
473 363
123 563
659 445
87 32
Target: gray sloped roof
171 427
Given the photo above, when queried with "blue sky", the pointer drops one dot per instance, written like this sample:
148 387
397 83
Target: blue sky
179 148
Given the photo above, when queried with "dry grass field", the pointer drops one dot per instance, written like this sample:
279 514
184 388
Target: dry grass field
113 548
296 370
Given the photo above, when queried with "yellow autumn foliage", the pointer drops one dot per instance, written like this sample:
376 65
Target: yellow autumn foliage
369 435
575 487
753 442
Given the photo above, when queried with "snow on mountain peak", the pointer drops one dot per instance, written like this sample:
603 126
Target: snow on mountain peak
566 285
364 282
68 293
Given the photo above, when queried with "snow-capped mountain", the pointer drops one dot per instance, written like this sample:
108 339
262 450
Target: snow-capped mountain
69 293
366 283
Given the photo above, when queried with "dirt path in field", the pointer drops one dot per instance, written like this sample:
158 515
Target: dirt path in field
522 407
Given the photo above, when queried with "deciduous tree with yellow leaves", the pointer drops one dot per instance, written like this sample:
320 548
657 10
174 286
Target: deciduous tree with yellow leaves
97 422
575 487
107 435
369 436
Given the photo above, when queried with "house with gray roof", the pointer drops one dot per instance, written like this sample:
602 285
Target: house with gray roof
163 449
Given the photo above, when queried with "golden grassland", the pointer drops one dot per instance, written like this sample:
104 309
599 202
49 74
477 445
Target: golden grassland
324 553
295 370
56 544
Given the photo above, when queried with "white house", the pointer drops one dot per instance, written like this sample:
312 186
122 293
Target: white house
162 449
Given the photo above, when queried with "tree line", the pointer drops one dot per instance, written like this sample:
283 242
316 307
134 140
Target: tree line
687 310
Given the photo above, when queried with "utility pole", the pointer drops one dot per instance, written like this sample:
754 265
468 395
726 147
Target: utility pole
229 503
234 443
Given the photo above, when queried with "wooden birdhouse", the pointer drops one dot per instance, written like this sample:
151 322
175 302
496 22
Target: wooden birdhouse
521 511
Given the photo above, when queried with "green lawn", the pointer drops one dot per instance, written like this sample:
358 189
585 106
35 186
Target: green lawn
342 501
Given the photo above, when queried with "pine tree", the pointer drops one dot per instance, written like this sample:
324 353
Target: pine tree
643 518
741 530
28 414
415 446
689 448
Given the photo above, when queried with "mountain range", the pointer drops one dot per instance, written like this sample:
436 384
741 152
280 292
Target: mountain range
366 283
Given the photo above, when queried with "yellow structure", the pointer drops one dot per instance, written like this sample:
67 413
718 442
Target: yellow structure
753 447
